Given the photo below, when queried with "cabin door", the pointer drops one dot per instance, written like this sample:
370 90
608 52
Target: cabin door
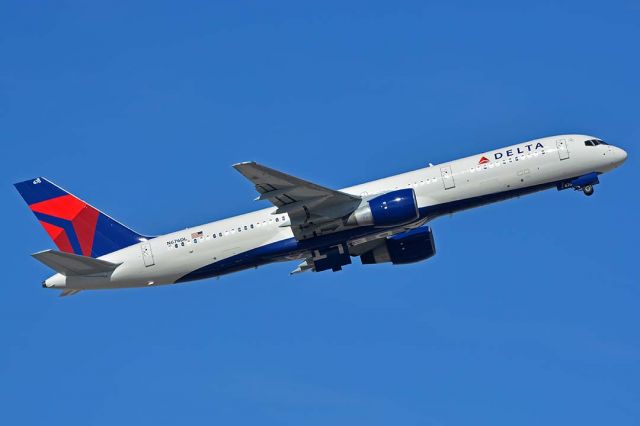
563 151
447 177
147 254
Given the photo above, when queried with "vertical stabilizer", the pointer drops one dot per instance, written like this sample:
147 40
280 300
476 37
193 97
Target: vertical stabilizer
73 225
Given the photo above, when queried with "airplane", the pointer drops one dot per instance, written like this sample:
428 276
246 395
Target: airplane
382 221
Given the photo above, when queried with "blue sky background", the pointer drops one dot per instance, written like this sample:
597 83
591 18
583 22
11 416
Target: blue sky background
528 314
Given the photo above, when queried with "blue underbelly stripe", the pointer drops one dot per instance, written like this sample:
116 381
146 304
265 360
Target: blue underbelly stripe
273 251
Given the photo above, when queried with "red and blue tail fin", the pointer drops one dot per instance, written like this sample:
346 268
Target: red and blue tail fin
73 225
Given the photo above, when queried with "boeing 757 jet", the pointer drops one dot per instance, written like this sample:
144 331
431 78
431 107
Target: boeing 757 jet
382 221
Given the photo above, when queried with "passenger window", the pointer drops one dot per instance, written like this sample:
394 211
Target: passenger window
252 226
277 220
245 227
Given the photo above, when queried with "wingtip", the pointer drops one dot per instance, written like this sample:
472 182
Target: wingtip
244 163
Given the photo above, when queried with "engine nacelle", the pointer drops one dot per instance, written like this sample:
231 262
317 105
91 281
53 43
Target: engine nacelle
391 209
412 246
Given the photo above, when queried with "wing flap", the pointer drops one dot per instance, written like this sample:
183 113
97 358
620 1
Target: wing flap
69 264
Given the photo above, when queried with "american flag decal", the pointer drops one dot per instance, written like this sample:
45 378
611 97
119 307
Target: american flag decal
195 235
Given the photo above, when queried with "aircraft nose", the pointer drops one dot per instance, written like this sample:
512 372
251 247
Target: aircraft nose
621 156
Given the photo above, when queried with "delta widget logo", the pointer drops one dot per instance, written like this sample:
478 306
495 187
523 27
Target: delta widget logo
511 152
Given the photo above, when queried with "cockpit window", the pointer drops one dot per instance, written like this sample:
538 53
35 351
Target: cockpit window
594 142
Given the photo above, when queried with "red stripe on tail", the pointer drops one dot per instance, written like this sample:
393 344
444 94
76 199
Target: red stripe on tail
85 226
58 236
65 207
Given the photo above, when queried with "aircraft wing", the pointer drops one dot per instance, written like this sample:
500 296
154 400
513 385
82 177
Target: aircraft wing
328 257
308 205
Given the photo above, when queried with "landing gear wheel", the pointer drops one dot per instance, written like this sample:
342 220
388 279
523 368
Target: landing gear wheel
588 190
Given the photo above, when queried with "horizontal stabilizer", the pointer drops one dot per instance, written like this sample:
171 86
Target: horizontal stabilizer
69 264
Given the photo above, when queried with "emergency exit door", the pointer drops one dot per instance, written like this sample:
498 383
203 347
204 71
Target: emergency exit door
563 151
447 177
147 254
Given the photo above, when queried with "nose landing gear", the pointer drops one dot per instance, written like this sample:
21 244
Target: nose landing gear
584 183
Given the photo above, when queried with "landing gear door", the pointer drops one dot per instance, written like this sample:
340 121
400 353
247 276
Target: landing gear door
147 254
447 177
563 151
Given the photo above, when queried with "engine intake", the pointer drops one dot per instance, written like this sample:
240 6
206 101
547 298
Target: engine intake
412 246
391 209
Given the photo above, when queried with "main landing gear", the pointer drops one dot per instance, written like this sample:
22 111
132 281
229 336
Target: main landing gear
588 190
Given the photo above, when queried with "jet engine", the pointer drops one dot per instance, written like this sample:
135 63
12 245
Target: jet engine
391 209
409 247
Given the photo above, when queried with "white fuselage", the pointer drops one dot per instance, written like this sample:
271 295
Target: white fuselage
439 189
